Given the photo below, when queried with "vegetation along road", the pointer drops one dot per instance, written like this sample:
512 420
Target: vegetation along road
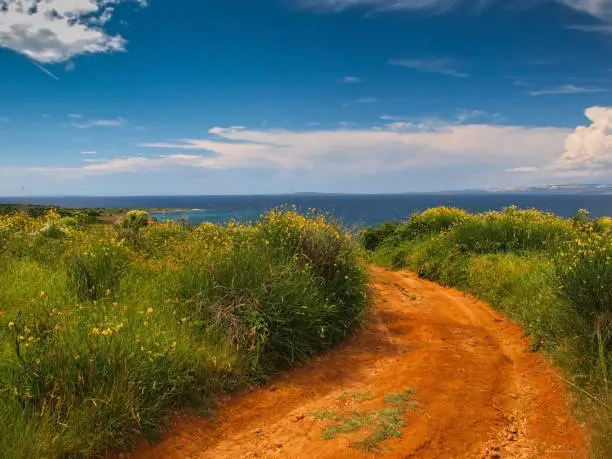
434 373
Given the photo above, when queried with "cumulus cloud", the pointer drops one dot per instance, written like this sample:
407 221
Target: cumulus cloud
589 147
588 150
442 66
53 31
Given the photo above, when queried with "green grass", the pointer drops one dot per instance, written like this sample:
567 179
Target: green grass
105 331
367 428
552 275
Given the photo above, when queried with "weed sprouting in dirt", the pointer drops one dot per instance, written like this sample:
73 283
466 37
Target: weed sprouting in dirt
367 428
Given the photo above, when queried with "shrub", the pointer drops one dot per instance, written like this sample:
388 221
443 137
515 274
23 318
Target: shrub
372 238
135 219
584 271
511 230
431 221
69 222
53 230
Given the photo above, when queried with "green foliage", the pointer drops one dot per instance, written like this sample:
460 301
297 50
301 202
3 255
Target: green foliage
380 424
431 221
102 337
372 238
135 219
53 230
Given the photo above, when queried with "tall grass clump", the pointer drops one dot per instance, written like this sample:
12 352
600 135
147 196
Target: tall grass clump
110 331
552 275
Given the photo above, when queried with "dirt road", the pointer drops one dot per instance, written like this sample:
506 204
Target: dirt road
480 392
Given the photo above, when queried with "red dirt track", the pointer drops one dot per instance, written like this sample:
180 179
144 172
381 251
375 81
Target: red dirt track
481 393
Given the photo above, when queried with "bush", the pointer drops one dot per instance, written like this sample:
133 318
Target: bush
512 230
431 221
372 238
584 271
53 230
135 219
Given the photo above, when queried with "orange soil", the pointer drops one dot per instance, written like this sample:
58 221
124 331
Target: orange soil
481 393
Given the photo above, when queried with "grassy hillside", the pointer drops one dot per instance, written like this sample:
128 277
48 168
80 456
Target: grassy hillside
105 329
552 275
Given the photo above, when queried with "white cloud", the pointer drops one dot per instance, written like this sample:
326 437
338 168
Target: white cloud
54 31
361 151
117 123
91 152
442 66
566 89
365 100
351 80
589 147
75 116
588 150
600 10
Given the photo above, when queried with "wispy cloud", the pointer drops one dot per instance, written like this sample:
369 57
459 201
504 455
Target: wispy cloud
566 89
45 70
115 123
365 100
90 152
351 80
441 66
4 119
76 116
599 10
543 61
392 118
600 28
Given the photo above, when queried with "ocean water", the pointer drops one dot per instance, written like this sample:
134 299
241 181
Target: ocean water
352 210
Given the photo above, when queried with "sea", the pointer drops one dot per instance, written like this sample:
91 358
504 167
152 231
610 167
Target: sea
351 210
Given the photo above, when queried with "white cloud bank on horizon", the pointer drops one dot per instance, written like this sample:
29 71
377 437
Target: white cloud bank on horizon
536 152
343 151
54 31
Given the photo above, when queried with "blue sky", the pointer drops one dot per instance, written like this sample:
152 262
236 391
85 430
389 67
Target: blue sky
275 96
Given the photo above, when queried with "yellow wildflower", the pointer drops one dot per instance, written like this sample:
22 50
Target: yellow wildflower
146 324
11 324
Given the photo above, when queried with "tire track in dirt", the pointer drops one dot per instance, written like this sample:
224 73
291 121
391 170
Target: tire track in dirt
481 393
